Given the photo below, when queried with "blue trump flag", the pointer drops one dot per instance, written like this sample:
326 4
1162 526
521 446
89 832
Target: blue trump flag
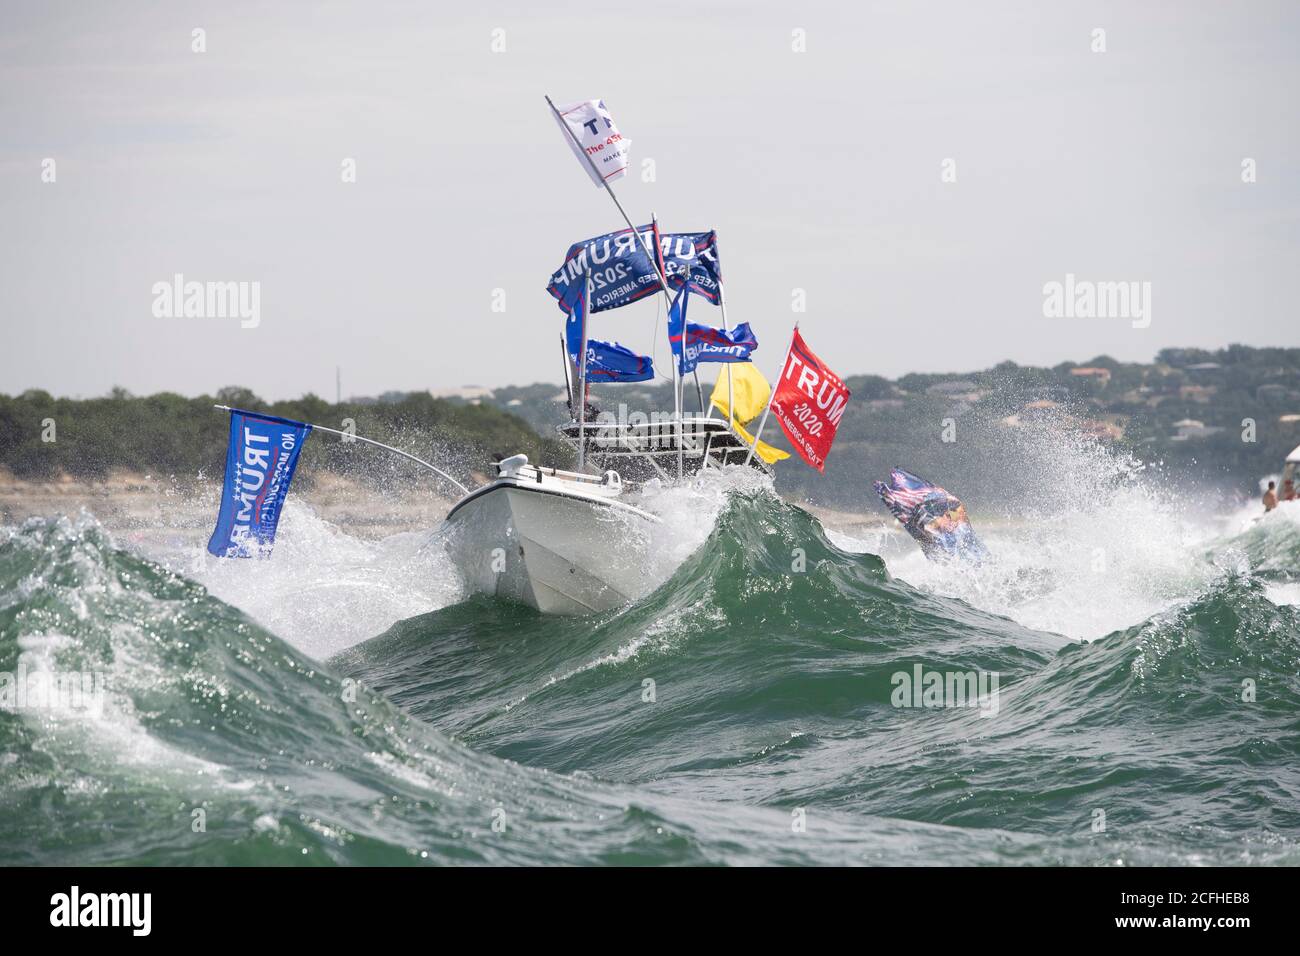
693 344
260 459
622 273
611 362
606 361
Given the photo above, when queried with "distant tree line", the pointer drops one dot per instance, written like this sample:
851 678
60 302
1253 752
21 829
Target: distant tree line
42 437
1192 411
1235 394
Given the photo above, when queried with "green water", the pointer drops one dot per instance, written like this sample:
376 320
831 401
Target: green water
741 713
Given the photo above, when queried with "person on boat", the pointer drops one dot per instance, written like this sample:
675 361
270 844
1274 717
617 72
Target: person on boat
1288 490
1270 497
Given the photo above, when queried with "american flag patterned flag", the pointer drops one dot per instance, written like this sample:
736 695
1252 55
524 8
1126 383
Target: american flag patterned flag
904 492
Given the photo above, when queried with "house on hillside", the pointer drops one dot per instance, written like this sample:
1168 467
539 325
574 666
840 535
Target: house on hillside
1034 411
960 391
1189 429
473 394
1102 430
1198 393
1101 375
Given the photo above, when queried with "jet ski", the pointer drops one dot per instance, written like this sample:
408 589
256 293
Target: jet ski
931 515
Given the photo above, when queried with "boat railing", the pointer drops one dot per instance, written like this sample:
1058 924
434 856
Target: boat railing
702 440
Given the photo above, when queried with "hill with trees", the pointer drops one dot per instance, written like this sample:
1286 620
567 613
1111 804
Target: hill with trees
44 437
1221 419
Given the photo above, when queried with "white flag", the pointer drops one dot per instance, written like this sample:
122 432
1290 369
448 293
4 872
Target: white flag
596 137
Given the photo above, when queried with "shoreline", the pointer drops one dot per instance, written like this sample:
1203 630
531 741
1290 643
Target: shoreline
135 502
144 506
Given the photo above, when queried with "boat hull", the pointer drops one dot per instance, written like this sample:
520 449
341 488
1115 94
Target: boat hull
556 552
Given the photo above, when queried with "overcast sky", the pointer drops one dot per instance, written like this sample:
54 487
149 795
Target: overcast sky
820 170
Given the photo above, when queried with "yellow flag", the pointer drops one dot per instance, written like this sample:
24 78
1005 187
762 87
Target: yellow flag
752 392
750 388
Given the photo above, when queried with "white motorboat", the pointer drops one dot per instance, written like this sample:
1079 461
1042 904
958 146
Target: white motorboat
559 541
572 542
568 542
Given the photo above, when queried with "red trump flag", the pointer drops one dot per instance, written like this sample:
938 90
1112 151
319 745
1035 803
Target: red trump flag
809 403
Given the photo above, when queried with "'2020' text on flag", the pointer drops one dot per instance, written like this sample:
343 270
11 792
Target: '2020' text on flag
622 273
809 403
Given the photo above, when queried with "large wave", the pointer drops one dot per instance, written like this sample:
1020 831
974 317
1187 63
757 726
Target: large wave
743 711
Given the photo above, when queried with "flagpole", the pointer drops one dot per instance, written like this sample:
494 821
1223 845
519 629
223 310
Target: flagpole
582 374
668 321
771 395
722 304
677 418
731 387
677 396
654 260
654 263
679 383
731 398
568 373
369 441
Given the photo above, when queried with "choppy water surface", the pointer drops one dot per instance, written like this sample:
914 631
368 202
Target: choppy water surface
343 703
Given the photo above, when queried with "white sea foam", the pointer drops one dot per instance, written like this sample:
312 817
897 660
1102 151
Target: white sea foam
689 510
80 700
1100 544
325 590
